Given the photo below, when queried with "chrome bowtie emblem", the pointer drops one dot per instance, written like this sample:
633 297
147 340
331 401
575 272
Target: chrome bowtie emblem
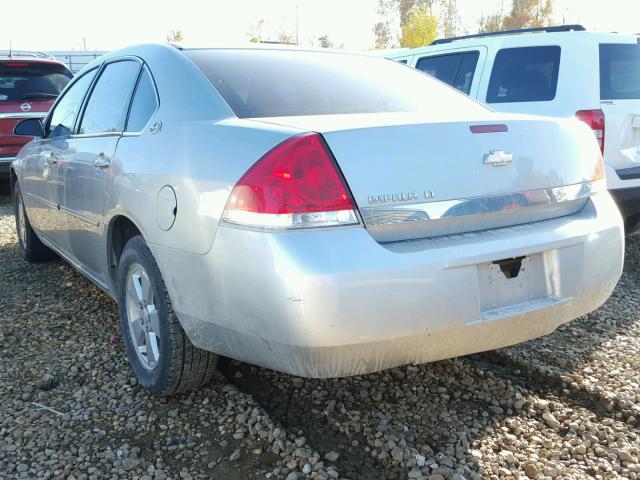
498 158
25 107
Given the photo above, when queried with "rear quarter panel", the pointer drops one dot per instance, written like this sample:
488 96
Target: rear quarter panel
201 151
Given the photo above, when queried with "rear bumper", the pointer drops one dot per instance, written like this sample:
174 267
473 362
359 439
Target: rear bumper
628 201
333 303
624 186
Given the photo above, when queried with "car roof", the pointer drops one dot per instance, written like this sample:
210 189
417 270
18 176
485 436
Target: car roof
523 39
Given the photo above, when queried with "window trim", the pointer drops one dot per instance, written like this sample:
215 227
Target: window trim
137 133
47 120
460 53
87 97
557 76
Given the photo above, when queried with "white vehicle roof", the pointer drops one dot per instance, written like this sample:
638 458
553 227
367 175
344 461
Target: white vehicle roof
496 42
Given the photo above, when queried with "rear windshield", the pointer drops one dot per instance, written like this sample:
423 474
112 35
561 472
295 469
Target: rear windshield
619 71
29 81
526 74
276 83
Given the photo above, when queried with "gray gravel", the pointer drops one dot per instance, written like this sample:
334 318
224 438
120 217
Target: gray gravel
564 406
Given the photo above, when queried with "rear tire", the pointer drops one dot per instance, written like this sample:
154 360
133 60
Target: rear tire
631 224
161 355
30 246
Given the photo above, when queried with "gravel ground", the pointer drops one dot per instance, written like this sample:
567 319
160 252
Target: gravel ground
564 406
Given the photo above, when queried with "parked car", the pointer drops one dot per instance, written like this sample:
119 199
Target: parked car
558 71
29 84
317 213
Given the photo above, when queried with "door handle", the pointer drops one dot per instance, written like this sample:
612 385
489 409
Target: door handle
102 161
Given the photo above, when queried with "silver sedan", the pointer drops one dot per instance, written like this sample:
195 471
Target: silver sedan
317 213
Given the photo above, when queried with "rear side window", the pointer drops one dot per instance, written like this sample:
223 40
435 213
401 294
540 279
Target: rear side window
455 69
527 74
144 104
108 104
21 81
619 71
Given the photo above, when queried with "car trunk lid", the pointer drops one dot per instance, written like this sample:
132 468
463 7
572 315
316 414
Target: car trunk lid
415 176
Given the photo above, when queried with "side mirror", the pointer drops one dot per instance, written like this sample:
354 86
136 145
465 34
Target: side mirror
30 127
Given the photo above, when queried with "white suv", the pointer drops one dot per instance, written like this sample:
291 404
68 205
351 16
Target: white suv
558 71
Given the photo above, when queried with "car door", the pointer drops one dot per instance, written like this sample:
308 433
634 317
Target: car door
459 68
85 170
43 187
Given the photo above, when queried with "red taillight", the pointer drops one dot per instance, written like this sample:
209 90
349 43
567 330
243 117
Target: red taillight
296 184
16 65
595 120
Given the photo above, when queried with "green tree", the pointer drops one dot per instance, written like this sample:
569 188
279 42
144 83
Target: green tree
175 36
421 28
324 42
450 18
383 35
490 23
255 32
402 8
523 14
529 13
287 38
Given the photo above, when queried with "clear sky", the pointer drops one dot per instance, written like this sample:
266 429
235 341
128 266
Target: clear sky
105 25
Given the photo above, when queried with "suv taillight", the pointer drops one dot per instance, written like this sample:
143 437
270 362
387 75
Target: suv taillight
595 120
295 185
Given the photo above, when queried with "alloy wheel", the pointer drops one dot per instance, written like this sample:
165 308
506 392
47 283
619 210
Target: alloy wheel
143 318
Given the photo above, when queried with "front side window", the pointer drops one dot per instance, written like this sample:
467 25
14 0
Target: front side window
64 113
455 69
526 74
144 104
22 81
107 108
619 71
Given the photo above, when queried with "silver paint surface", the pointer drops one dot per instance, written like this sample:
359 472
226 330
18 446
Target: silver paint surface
344 300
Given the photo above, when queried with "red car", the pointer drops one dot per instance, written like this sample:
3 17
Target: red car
29 84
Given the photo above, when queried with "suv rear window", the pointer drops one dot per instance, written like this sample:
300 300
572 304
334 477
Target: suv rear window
526 74
20 81
619 71
276 83
455 69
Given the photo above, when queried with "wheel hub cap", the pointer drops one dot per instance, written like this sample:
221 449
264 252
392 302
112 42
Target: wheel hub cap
22 226
143 320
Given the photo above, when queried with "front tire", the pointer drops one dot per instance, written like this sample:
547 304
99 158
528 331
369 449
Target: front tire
30 246
161 355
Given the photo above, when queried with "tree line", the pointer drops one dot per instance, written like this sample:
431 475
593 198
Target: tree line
422 21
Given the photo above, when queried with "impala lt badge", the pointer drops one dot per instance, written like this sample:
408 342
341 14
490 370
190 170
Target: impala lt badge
498 158
400 197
